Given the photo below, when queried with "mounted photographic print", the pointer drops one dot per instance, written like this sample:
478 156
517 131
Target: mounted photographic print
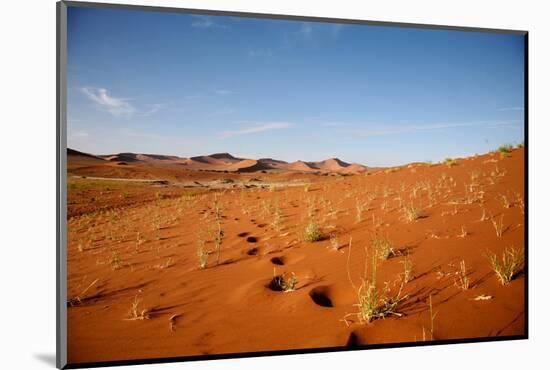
235 184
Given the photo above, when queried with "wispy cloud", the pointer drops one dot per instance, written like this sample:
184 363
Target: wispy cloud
154 108
116 106
259 127
511 108
203 21
431 127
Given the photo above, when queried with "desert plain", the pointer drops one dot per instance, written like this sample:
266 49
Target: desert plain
170 256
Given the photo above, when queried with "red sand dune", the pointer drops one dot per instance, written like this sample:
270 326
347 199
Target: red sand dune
135 289
227 162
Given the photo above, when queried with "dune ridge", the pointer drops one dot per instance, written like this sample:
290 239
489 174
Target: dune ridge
223 162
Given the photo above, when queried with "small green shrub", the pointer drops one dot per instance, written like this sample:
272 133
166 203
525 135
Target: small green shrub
506 148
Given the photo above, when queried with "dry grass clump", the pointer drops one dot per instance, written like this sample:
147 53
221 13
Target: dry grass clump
375 303
498 225
219 234
372 302
136 313
407 269
411 212
334 242
202 255
463 232
450 162
509 265
506 201
312 232
506 148
382 247
284 282
461 279
116 260
432 319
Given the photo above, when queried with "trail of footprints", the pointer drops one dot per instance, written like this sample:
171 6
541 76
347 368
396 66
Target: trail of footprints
319 295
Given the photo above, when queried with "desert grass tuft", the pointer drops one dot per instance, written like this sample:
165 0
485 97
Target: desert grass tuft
432 318
136 313
450 162
407 274
382 247
116 260
334 242
506 148
284 282
411 212
498 225
461 279
373 303
509 265
312 232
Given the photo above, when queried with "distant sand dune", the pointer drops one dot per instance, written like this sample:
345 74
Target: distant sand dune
221 162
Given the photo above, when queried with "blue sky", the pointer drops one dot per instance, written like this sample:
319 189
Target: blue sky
188 85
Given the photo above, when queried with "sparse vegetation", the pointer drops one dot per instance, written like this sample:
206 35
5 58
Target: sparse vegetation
483 215
432 318
498 225
202 255
218 237
383 247
312 233
374 303
116 260
506 148
411 212
136 313
119 248
506 202
450 162
407 269
334 243
284 282
508 266
461 279
360 207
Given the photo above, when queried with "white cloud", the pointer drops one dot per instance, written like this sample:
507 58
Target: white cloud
116 106
259 127
154 108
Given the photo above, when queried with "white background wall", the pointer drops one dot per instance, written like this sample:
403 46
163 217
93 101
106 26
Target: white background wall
27 181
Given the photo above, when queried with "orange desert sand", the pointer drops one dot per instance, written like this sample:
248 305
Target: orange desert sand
287 250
